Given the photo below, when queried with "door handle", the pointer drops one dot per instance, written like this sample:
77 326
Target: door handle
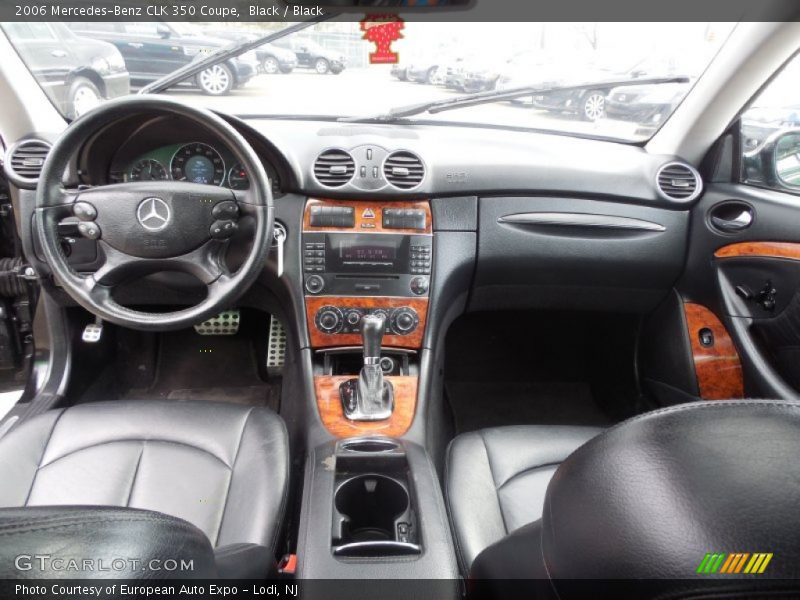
136 45
731 217
58 53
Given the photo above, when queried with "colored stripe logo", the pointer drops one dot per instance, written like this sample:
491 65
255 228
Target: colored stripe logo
734 563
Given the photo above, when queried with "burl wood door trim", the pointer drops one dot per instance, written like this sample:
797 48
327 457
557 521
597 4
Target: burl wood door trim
320 339
788 250
370 225
718 368
329 404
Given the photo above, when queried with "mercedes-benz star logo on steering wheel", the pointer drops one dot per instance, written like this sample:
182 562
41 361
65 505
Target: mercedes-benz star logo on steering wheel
153 214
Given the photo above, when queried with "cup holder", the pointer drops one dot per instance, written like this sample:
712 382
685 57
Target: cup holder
370 506
370 445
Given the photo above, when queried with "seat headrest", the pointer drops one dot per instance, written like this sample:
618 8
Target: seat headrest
88 542
700 490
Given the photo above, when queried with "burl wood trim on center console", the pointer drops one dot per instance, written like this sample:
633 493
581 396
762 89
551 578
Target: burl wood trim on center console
332 415
718 368
372 225
320 339
760 249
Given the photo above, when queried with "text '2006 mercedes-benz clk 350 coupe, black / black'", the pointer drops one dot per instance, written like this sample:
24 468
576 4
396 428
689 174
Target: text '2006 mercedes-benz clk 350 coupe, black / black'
509 307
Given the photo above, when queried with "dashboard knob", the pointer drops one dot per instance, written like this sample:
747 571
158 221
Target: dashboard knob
354 317
315 284
419 285
404 320
329 319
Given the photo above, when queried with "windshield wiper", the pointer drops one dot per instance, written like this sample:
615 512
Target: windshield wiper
223 54
438 106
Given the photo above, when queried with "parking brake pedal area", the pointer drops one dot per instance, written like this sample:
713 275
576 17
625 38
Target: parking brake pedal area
276 348
225 323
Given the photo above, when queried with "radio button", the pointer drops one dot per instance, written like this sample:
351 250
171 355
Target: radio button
419 285
315 284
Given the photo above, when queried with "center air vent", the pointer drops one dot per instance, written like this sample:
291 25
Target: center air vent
25 161
334 168
678 181
404 170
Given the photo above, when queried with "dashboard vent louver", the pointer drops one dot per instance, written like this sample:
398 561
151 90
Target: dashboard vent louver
26 159
404 170
334 168
678 181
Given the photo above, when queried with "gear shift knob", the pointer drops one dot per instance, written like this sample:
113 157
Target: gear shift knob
372 329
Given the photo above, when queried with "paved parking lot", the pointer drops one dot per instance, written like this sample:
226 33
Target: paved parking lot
372 91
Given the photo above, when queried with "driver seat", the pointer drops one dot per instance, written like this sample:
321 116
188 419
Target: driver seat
223 468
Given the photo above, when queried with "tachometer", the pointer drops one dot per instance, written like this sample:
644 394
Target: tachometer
237 178
148 169
198 163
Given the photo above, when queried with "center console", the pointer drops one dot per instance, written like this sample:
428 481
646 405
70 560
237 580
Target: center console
366 262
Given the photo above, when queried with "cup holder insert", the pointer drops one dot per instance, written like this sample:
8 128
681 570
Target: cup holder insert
370 505
371 446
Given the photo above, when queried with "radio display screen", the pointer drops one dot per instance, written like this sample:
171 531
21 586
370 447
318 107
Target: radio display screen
380 253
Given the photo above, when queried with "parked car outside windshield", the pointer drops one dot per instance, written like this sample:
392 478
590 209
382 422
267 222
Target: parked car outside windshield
328 71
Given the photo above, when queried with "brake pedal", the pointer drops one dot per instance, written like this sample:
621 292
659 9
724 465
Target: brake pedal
276 346
225 323
93 332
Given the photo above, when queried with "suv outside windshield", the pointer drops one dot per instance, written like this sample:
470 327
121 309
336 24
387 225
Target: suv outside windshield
325 70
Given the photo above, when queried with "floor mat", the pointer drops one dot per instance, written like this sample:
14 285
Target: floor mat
477 405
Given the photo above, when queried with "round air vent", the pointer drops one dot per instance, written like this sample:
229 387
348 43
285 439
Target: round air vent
334 168
679 181
24 162
404 170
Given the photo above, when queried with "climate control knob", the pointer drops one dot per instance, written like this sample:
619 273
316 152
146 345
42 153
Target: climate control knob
404 320
329 319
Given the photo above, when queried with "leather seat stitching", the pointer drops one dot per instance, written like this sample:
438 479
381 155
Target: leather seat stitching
41 456
135 474
115 441
528 470
494 481
230 479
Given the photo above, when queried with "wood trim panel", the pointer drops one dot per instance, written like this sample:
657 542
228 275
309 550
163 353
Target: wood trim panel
788 250
320 339
718 368
332 415
374 225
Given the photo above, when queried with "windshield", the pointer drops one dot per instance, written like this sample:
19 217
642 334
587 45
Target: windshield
326 70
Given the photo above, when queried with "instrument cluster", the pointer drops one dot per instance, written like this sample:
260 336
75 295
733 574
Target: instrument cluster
196 162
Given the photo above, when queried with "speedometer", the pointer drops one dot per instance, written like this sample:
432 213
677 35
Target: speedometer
198 163
148 169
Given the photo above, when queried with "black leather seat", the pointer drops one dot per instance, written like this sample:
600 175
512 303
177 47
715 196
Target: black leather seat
223 468
696 500
496 480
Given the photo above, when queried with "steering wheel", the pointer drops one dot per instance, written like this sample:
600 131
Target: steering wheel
148 227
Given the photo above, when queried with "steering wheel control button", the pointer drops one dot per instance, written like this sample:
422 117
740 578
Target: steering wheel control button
89 230
84 211
419 286
315 284
225 211
329 319
223 230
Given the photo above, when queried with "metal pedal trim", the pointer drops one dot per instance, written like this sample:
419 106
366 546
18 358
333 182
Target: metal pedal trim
225 323
276 346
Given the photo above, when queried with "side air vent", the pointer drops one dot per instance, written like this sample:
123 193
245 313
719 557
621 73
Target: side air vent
334 168
678 181
404 170
24 162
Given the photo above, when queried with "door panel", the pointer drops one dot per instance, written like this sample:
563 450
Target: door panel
751 280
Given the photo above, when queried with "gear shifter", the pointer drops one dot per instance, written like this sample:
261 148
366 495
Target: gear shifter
370 397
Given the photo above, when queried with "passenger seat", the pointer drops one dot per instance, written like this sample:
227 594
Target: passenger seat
496 480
